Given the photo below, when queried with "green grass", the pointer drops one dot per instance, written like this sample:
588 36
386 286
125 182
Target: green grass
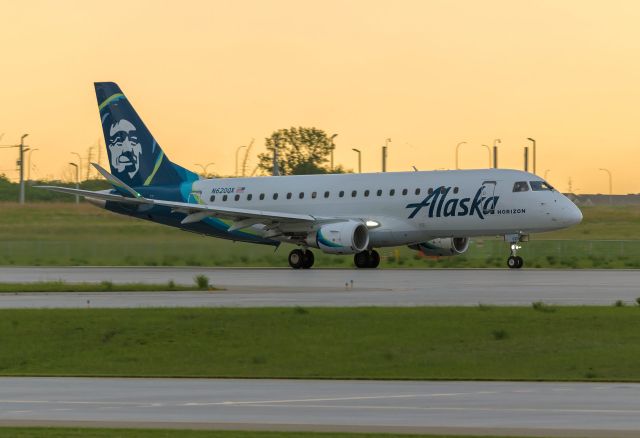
66 234
103 286
489 343
16 432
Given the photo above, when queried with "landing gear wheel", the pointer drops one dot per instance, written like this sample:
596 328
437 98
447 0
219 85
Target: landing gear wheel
520 262
307 259
361 259
374 259
515 262
296 259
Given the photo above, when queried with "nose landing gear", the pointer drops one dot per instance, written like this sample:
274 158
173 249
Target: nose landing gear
515 261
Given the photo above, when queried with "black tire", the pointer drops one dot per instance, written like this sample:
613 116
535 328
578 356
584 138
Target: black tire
296 258
307 259
361 259
374 259
512 262
520 261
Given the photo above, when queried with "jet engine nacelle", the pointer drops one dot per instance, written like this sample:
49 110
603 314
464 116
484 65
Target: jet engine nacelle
447 246
347 237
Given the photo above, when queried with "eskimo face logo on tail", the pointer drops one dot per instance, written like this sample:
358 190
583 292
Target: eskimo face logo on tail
124 147
439 206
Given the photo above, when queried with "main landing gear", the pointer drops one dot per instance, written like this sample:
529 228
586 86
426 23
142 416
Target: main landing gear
515 261
301 259
367 259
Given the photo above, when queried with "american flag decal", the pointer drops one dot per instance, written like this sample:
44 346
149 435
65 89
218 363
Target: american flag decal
239 189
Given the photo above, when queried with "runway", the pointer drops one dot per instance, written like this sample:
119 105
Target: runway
248 287
567 409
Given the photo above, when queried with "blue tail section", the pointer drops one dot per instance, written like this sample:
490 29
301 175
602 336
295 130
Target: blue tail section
134 155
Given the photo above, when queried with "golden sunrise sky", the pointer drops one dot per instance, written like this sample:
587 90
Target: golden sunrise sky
207 76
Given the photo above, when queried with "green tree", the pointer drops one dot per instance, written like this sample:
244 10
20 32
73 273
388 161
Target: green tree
301 151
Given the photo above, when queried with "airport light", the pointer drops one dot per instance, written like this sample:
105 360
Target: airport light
29 161
495 152
458 152
79 158
610 183
77 180
21 199
333 146
205 167
384 154
534 153
359 159
489 152
237 151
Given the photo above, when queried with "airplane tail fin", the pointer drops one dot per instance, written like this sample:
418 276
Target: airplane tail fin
134 155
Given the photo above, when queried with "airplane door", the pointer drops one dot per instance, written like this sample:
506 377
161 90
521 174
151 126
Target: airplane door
488 191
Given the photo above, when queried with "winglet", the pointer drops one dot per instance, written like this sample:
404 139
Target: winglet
116 182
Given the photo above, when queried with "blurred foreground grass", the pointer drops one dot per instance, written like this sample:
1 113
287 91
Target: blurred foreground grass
68 234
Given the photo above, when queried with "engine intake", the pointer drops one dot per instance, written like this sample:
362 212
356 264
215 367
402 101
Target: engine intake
446 246
347 237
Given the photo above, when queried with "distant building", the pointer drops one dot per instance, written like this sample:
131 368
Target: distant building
598 199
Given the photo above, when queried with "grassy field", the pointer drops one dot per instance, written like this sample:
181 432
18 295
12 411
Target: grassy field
487 343
66 234
148 433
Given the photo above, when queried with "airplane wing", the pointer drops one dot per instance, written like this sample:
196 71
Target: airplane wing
194 212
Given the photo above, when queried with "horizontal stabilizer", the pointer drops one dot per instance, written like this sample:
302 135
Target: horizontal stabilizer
116 182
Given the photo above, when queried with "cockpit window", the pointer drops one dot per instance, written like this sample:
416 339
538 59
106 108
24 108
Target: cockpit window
521 186
538 186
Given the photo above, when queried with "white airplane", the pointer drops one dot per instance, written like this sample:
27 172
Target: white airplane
433 212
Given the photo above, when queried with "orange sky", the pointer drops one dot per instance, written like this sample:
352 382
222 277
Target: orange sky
207 76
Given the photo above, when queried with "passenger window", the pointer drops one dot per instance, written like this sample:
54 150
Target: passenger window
404 192
341 194
275 196
379 192
538 186
289 195
261 196
417 191
212 198
392 192
455 190
521 186
301 195
224 198
237 197
249 197
443 190
354 193
326 194
314 195
430 191
366 193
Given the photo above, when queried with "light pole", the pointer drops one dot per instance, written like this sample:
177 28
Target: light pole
384 154
238 150
77 180
458 152
489 152
204 168
29 161
333 146
22 168
359 159
610 183
79 158
495 152
534 153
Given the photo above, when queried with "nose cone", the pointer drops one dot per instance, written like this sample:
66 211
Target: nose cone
571 214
